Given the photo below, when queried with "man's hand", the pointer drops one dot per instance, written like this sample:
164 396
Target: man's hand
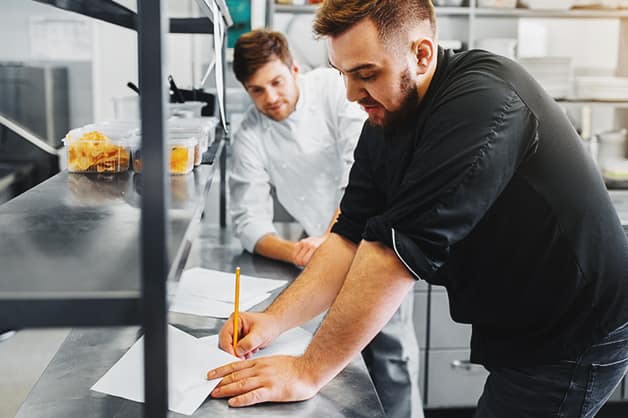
257 330
304 249
269 379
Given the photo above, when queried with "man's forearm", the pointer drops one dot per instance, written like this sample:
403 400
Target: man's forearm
272 246
374 288
317 286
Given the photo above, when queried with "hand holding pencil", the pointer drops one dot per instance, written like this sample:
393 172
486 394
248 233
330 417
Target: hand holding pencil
245 333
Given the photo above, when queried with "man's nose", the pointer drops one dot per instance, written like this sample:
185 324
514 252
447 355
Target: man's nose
354 91
271 96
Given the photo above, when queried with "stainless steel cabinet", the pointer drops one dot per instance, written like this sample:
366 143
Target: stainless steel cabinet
447 378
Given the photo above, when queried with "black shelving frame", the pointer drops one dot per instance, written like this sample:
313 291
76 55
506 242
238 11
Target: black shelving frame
114 13
155 198
149 308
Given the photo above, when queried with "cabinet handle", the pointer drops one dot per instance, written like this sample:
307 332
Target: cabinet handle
467 366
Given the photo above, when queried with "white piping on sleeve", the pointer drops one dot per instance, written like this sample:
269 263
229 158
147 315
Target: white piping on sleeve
401 258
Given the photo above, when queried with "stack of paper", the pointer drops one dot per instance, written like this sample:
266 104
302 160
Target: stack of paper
189 360
211 293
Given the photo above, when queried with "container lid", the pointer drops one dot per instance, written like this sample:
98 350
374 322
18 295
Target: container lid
175 130
187 105
97 133
204 122
180 140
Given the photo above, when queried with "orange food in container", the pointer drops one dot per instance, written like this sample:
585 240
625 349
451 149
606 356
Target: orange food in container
181 154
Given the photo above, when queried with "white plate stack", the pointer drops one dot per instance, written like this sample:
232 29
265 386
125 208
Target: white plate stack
553 73
602 88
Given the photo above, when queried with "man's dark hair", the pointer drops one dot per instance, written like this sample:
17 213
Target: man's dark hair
257 48
335 17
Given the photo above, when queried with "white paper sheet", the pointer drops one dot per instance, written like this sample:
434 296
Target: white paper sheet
211 293
293 342
204 306
188 362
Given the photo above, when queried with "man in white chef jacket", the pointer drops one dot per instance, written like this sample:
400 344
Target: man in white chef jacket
299 139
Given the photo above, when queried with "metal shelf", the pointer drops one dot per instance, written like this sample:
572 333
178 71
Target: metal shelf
490 12
561 14
112 12
71 247
289 8
94 250
312 8
619 104
453 11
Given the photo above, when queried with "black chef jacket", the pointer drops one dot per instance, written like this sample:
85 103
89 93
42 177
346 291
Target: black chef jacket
490 193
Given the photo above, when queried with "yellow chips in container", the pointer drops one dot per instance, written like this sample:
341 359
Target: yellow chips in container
91 151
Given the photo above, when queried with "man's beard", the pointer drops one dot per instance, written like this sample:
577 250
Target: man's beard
408 106
289 108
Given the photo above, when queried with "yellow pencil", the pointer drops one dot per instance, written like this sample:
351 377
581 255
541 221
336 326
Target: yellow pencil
236 324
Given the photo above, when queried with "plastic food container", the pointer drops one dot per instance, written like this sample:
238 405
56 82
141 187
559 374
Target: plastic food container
207 126
612 148
97 149
186 110
181 153
126 107
195 133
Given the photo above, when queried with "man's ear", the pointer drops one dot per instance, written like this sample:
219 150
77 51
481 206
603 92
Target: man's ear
423 50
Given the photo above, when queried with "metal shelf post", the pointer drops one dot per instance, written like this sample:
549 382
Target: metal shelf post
154 265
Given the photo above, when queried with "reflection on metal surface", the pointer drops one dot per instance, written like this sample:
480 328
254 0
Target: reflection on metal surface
71 245
96 189
183 190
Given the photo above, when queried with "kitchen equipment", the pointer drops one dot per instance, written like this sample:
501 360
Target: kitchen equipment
611 146
133 87
175 93
34 115
36 97
612 159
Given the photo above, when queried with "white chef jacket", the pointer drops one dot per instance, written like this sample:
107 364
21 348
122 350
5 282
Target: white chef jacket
306 158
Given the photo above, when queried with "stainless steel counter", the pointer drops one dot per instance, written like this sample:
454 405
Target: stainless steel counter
70 247
63 389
